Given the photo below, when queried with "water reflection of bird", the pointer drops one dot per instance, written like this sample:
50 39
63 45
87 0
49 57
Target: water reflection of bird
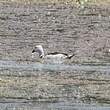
55 57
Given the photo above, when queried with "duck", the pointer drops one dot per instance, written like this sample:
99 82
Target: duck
55 57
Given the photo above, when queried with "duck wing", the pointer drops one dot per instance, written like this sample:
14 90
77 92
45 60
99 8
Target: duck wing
55 53
63 55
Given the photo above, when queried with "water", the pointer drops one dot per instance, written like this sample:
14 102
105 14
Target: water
53 67
28 85
50 106
60 102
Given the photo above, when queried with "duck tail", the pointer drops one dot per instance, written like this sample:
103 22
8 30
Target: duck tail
70 56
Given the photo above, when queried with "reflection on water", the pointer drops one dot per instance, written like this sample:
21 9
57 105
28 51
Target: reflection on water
52 67
77 88
51 106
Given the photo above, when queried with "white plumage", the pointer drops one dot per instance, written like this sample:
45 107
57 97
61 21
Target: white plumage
55 57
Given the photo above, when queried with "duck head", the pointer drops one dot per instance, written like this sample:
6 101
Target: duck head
38 49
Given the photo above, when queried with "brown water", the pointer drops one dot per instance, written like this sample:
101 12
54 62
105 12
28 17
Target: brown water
83 83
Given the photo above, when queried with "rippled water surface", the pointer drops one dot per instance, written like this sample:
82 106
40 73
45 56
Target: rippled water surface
81 84
76 86
54 67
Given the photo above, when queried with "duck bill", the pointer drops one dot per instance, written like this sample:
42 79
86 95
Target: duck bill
33 51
